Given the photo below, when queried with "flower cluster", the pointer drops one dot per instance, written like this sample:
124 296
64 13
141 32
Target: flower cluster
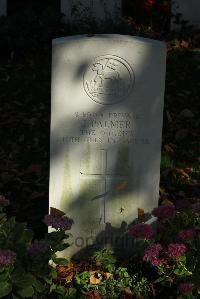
152 254
186 287
38 247
7 257
149 4
58 222
141 230
3 201
187 234
175 250
164 212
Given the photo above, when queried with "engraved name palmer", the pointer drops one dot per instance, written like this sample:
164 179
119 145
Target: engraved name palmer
110 124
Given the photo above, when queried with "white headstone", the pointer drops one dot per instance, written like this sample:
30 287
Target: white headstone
3 4
99 12
189 10
106 124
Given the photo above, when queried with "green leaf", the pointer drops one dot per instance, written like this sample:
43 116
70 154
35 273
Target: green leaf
3 276
61 290
60 261
72 293
39 287
178 272
159 280
5 289
26 237
53 273
15 297
52 288
26 292
21 235
2 269
182 259
24 281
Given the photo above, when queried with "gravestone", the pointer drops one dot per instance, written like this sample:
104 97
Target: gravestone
106 123
3 5
189 10
100 12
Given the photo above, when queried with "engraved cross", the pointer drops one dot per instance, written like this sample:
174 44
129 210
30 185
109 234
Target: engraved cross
104 176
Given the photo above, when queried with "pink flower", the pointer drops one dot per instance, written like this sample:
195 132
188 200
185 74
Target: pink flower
175 250
152 255
7 257
187 234
186 287
58 222
149 4
141 230
164 212
38 247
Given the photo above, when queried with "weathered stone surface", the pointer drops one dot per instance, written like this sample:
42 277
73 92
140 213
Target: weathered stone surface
3 4
189 10
99 12
106 124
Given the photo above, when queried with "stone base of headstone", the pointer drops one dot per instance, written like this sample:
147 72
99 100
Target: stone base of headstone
185 10
3 7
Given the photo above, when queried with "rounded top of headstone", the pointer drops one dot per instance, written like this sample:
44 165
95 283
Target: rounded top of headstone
108 80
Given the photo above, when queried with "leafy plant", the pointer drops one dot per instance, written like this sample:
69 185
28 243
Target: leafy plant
173 251
105 259
24 262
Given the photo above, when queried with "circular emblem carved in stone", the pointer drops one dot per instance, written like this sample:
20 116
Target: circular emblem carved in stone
108 80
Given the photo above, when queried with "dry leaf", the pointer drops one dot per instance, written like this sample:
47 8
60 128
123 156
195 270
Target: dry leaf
95 278
141 214
108 275
66 272
167 202
162 191
168 148
93 295
182 173
62 271
128 293
120 187
69 276
56 212
189 169
184 44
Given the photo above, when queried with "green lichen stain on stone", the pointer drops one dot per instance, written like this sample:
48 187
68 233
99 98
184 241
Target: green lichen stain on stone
122 164
122 196
67 190
89 209
86 159
89 215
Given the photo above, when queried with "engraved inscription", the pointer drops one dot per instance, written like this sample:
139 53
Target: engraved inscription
106 128
108 80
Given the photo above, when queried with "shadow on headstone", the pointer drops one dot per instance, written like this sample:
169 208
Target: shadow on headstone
101 179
